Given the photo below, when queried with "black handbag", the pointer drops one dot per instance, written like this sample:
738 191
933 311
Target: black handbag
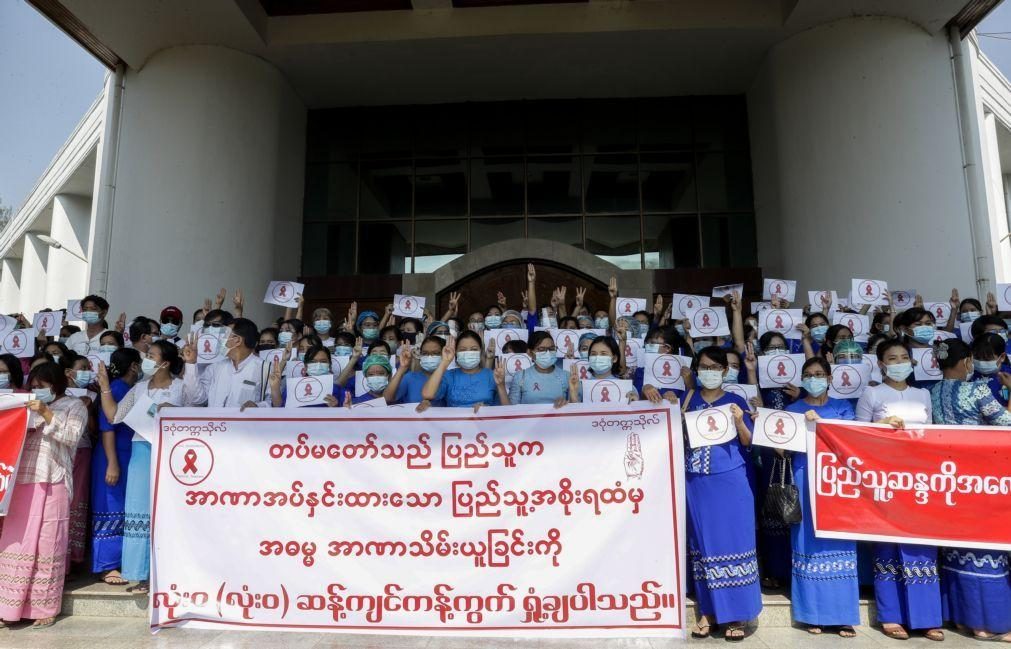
782 501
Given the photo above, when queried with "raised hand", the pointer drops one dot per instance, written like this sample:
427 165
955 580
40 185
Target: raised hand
405 355
736 413
612 287
991 303
121 323
580 294
826 302
500 299
531 273
449 351
207 304
570 348
750 359
621 329
499 372
237 302
918 301
556 298
489 350
352 314
219 299
276 374
954 301
189 350
454 302
356 352
389 310
658 307
526 299
103 377
735 301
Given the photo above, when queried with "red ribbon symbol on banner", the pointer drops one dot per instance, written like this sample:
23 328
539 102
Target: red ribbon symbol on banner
691 303
705 320
582 373
604 395
779 427
628 351
407 305
207 347
508 337
628 307
712 424
940 312
846 380
16 342
868 289
933 362
516 367
781 369
779 289
282 289
191 462
308 390
779 322
666 368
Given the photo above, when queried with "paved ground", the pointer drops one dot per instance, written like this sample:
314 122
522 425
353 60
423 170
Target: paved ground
122 633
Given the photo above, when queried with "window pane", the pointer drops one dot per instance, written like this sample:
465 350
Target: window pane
330 192
611 183
665 124
328 249
487 231
386 131
332 135
314 249
496 129
440 130
721 123
440 187
553 185
608 125
672 241
496 186
565 229
668 182
437 243
552 126
724 182
386 189
384 248
728 240
614 239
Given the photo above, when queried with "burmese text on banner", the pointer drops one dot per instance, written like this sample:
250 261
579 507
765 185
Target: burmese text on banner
13 426
935 485
516 521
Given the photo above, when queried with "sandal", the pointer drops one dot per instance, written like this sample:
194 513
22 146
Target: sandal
140 589
814 630
701 631
994 637
734 633
895 632
937 635
771 583
43 624
847 631
114 580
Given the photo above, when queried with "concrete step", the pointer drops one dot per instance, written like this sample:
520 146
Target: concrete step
87 598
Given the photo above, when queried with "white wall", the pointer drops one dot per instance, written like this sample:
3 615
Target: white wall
67 274
856 160
10 285
209 182
34 262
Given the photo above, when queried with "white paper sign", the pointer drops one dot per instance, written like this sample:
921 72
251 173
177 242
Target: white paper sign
781 321
143 416
682 304
745 391
710 427
94 358
779 370
378 402
296 368
634 352
942 334
20 342
514 364
783 289
211 347
708 322
926 367
780 429
903 298
663 371
74 311
965 329
728 289
849 381
283 293
758 307
873 371
566 341
612 392
48 321
271 356
408 306
940 310
867 291
580 367
858 323
308 390
502 336
815 299
627 306
1003 294
7 324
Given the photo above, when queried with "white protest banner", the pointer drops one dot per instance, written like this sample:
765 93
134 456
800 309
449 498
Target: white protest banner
849 381
815 299
634 351
710 427
781 321
682 304
745 391
867 291
296 368
7 324
942 334
339 363
301 391
940 310
47 321
74 311
708 322
211 346
283 293
143 416
925 366
626 306
408 306
580 367
378 402
873 371
903 298
566 341
612 392
780 429
514 364
858 323
272 356
502 336
782 289
387 520
663 371
20 342
779 370
728 289
1003 294
965 329
94 358
13 430
758 307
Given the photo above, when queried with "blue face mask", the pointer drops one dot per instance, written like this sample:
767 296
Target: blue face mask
430 362
969 316
699 345
545 360
652 348
342 350
82 378
818 333
601 364
107 348
317 369
601 323
493 321
376 383
370 333
5 380
815 386
284 337
733 373
680 329
468 360
45 395
169 328
584 354
322 326
986 368
924 334
91 317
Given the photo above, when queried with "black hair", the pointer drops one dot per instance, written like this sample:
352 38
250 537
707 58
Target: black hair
118 337
495 306
535 339
909 316
140 326
888 343
313 339
380 343
345 337
434 339
69 330
875 340
247 330
970 300
566 320
716 354
195 314
988 347
811 316
470 334
390 328
272 331
418 326
67 360
766 339
97 300
14 367
122 360
879 319
52 374
950 353
515 347
221 315
980 324
170 354
63 348
674 340
315 349
820 362
611 344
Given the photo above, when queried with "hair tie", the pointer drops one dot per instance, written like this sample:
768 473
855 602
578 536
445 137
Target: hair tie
941 351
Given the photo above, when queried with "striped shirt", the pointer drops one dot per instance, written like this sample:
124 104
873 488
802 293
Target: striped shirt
48 454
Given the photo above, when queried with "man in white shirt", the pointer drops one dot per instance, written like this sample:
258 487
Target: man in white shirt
236 381
93 311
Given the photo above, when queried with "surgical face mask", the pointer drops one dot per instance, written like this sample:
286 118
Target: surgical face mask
91 317
317 369
468 360
584 354
342 350
511 325
923 334
637 328
45 395
300 356
56 358
711 379
815 385
321 326
733 373
476 327
148 367
284 337
680 329
169 328
376 383
601 364
848 360
493 321
107 348
63 339
430 362
1003 334
601 323
393 345
699 345
772 351
986 368
370 333
652 348
5 380
969 316
545 359
898 371
82 378
818 333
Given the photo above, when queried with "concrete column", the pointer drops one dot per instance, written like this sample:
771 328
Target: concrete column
10 285
68 273
996 202
34 262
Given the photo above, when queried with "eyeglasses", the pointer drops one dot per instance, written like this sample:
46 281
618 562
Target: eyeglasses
820 375
546 349
718 368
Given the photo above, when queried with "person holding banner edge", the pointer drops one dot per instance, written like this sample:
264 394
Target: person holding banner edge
975 588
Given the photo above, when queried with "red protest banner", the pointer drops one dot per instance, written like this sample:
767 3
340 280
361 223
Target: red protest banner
13 426
935 485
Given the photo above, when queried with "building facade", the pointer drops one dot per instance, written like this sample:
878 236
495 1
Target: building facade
426 146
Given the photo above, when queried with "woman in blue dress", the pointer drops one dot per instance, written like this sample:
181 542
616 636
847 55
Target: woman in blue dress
544 381
975 584
721 511
317 362
825 591
407 384
468 384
